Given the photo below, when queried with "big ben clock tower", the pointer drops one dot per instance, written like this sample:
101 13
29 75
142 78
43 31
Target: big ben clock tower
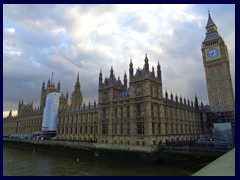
217 70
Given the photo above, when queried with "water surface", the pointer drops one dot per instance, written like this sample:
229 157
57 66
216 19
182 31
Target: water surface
23 162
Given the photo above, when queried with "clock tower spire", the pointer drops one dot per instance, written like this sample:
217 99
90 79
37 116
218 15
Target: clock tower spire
217 70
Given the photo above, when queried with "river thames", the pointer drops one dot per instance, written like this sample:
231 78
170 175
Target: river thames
26 162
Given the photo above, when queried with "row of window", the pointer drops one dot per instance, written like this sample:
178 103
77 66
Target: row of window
78 130
156 129
27 130
181 114
35 122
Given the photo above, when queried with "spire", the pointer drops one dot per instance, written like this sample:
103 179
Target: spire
131 64
196 101
95 104
77 84
52 77
166 94
10 113
78 77
125 80
100 77
48 84
43 85
67 95
153 71
210 21
131 69
58 86
125 75
159 72
146 65
111 73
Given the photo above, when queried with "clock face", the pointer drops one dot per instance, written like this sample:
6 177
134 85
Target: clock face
212 53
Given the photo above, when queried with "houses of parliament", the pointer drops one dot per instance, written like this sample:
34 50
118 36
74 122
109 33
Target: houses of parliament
136 111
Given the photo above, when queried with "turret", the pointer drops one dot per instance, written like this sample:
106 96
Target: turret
131 69
146 65
43 85
180 99
58 87
76 98
166 95
125 80
196 102
48 84
153 73
10 113
159 76
100 78
111 73
67 95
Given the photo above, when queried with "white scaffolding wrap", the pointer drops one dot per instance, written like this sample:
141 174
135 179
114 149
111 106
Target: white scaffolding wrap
50 113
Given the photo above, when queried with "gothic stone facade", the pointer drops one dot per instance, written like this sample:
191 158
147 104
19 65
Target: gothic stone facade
134 115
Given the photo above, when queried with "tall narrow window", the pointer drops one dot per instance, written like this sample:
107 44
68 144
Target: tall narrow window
115 129
140 128
128 128
128 111
121 112
121 128
140 109
159 128
104 113
116 112
153 128
104 129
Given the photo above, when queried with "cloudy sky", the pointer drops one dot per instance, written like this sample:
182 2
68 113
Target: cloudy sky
67 39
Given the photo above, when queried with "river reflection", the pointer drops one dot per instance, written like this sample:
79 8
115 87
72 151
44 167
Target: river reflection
23 162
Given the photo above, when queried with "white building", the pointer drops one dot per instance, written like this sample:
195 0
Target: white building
50 113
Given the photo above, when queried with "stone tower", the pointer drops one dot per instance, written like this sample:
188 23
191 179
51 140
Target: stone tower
46 90
63 102
24 109
217 70
77 99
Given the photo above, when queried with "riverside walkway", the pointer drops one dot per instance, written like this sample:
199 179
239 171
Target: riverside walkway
223 166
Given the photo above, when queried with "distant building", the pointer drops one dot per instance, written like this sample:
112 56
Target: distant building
9 124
